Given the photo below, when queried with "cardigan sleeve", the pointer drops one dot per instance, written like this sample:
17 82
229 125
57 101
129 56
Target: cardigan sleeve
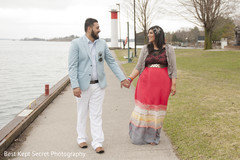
173 62
141 59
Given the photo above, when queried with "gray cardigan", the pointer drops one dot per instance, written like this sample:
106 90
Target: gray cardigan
171 59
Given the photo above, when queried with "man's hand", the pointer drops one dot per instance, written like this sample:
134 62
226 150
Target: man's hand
77 92
126 83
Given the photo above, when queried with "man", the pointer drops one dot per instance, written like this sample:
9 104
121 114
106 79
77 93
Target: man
86 72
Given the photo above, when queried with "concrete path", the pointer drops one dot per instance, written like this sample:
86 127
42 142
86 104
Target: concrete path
53 134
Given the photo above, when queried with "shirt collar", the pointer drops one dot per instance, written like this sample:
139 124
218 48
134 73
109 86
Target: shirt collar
89 41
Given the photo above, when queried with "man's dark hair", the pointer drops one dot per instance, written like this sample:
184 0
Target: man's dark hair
89 23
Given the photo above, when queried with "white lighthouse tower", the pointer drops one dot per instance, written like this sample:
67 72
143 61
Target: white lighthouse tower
114 28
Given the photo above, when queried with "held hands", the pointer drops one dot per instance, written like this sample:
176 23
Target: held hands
77 92
126 83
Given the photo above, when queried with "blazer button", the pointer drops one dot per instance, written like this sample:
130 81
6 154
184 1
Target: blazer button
89 74
90 65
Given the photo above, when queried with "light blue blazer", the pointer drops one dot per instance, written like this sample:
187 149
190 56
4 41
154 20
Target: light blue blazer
80 63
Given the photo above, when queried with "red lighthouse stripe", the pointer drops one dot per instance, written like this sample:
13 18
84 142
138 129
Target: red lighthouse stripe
113 15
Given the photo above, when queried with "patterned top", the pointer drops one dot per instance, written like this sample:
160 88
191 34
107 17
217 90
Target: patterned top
156 57
171 59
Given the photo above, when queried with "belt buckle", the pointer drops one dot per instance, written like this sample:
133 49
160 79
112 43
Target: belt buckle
93 82
155 65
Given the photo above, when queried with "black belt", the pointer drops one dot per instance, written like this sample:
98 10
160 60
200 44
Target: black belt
93 82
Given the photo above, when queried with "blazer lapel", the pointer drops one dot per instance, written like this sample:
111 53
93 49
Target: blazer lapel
86 47
97 54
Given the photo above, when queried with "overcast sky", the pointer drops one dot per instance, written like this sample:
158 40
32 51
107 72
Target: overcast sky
59 18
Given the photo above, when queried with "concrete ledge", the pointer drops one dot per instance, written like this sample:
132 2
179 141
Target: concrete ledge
232 47
14 128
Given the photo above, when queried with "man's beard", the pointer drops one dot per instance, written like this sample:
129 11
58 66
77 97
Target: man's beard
95 36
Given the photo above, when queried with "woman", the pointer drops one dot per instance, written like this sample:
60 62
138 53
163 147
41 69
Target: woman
157 69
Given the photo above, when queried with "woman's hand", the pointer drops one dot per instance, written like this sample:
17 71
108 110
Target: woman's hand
173 89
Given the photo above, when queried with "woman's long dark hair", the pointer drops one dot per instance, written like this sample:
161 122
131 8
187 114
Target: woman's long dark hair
159 38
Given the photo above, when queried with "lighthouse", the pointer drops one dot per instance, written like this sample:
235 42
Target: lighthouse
114 28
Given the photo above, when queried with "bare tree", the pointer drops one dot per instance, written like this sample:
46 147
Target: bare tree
235 14
207 12
187 35
146 10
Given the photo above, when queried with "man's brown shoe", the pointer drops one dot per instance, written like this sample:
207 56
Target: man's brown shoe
83 145
99 150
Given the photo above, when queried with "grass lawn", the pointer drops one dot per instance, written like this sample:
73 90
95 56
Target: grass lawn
203 118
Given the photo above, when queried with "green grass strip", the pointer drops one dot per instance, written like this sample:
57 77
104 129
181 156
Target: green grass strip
203 119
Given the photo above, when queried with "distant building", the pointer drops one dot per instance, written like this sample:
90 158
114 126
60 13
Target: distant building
140 38
224 42
201 39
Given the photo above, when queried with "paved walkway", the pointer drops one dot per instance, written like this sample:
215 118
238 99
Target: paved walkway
53 134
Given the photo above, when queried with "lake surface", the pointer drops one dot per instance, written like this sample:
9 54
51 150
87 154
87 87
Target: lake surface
25 68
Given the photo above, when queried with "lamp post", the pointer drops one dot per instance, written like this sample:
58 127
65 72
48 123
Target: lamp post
129 59
135 40
119 25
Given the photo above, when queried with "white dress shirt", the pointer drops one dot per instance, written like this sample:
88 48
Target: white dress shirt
93 53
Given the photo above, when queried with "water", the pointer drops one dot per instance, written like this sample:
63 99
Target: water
25 68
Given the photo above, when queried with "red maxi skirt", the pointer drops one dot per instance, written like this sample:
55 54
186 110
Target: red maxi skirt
151 98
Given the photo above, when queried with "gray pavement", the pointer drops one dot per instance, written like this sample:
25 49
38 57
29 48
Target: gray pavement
53 134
